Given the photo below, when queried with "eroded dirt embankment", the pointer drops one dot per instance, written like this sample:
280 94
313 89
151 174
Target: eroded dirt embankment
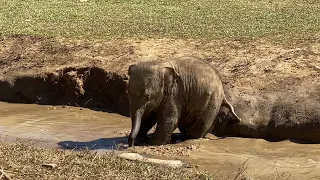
46 71
85 87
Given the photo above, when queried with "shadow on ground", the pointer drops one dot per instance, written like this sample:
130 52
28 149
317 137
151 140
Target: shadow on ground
114 143
102 143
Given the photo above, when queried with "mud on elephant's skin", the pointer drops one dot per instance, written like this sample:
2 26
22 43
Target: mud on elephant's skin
288 117
184 93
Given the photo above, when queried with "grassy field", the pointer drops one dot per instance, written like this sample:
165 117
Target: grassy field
20 160
200 19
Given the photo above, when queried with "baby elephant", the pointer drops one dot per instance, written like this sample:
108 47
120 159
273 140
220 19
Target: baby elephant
185 92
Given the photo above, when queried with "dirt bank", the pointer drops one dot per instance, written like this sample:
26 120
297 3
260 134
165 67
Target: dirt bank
91 87
43 71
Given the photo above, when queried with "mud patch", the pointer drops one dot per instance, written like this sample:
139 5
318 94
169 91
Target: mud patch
176 150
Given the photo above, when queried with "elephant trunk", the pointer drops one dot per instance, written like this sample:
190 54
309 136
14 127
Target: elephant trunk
136 122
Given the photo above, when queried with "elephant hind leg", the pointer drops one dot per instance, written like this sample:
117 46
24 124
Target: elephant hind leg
183 130
198 130
183 133
201 125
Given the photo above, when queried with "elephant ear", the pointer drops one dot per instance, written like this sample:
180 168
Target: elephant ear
132 68
170 77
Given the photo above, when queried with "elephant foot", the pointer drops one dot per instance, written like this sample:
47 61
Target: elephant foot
175 138
184 137
159 141
142 141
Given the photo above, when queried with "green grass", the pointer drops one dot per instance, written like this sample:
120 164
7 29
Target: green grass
195 19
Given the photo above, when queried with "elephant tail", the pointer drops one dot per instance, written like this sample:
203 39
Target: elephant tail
227 104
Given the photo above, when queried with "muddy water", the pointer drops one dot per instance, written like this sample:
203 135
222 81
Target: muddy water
265 160
71 127
58 126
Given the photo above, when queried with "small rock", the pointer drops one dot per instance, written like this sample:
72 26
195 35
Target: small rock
131 156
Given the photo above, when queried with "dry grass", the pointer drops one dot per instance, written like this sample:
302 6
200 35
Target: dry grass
21 160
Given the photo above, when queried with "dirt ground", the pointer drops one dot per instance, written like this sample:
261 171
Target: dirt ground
93 74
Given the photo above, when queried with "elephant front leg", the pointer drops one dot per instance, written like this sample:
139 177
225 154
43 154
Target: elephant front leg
166 124
146 125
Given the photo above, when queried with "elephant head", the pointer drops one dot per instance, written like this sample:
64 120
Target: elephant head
148 86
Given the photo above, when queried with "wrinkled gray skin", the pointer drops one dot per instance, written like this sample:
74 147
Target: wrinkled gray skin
185 92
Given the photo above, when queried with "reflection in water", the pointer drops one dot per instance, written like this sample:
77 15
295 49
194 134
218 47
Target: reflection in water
72 128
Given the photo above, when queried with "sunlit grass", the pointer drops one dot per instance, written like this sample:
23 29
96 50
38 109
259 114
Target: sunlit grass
201 19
